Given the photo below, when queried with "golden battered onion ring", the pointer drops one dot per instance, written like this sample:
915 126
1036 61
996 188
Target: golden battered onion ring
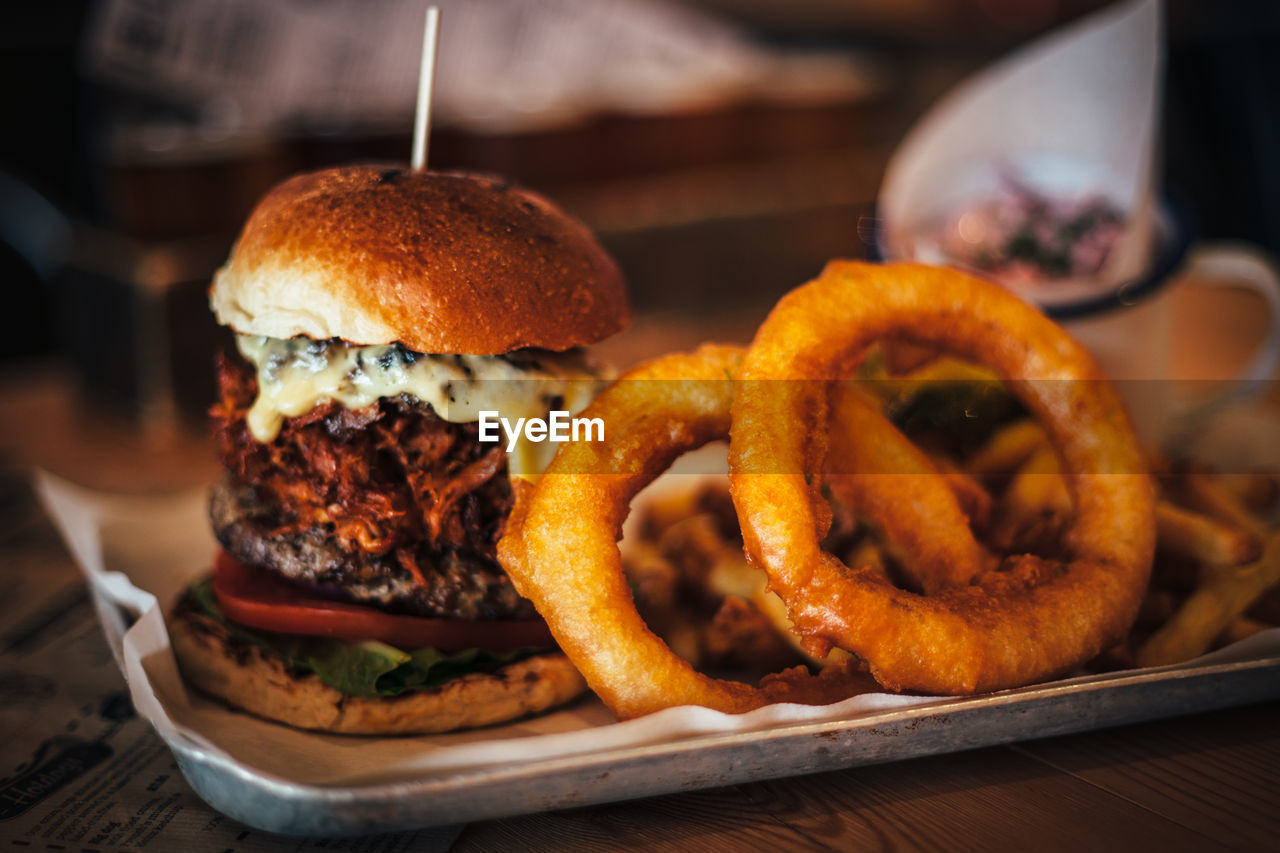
560 545
1032 619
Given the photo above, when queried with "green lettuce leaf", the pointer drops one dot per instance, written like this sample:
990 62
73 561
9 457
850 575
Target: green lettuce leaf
368 668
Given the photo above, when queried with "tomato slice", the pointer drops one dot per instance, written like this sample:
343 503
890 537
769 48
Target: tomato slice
260 600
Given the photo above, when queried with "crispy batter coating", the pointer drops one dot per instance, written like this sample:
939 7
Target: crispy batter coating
1031 619
561 550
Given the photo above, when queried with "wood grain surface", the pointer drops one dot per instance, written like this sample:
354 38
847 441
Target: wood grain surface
1205 782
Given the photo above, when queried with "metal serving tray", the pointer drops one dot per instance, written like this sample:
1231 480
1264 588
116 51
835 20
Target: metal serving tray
602 762
947 725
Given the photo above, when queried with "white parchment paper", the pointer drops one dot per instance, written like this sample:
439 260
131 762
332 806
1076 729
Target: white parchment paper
138 553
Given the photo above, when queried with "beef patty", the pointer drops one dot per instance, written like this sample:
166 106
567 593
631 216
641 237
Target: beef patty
454 584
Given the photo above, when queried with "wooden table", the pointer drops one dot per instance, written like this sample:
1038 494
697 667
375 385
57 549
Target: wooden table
1196 783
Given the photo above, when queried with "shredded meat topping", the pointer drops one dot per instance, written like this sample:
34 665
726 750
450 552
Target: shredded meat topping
389 479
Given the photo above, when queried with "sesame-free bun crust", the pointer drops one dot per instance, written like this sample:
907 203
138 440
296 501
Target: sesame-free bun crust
443 262
246 677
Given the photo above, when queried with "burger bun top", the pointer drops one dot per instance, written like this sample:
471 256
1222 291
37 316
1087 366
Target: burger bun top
442 262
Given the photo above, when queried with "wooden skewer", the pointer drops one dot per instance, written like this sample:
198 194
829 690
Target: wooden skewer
426 86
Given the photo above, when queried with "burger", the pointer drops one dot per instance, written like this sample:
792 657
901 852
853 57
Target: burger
377 312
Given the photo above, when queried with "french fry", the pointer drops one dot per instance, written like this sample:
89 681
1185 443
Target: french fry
1210 609
1036 502
685 639
887 382
866 554
1216 580
1207 494
947 368
1185 533
974 498
1257 490
1241 628
1007 449
734 576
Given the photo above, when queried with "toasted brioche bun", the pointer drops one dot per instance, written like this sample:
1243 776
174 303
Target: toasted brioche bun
246 677
443 262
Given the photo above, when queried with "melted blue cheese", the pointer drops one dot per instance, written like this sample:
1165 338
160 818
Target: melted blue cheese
297 374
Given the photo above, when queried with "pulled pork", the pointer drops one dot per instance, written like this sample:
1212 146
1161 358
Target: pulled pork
392 480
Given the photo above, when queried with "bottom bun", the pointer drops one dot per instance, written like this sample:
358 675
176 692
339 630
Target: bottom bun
251 679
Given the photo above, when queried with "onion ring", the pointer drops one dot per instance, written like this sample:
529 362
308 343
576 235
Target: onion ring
560 546
1031 620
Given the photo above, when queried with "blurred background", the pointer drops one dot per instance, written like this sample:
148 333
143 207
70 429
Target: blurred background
722 149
